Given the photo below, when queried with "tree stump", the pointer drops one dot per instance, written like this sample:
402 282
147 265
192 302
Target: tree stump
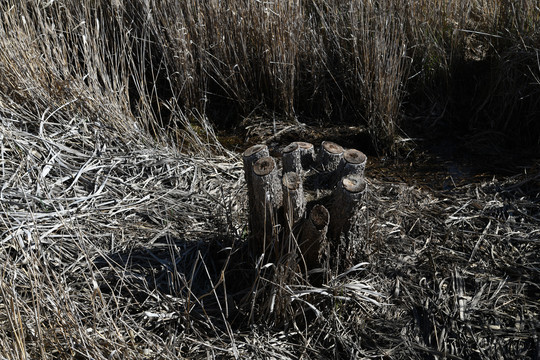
330 156
307 154
267 200
352 162
291 159
298 157
277 206
294 202
345 198
249 157
313 239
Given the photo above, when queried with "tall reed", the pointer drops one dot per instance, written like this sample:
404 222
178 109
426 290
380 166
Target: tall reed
166 63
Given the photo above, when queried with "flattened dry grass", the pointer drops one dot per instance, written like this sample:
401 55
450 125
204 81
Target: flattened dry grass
119 247
460 267
114 247
73 193
123 221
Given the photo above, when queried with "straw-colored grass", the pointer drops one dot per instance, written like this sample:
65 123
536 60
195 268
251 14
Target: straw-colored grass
123 220
376 64
114 246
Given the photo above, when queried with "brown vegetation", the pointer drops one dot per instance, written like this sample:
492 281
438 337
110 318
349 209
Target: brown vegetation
123 221
380 64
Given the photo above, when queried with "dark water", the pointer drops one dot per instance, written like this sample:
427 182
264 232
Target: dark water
447 163
432 173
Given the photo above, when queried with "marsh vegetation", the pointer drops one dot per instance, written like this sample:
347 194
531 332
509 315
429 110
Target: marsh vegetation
124 218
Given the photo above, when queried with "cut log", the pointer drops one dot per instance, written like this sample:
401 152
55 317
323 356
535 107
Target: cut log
249 157
298 156
279 224
291 159
330 156
294 202
313 241
267 199
345 201
307 154
352 162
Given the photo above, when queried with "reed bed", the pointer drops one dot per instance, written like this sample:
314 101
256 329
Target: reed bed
391 67
123 220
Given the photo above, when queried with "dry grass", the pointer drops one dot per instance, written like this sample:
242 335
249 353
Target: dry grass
118 247
376 64
122 220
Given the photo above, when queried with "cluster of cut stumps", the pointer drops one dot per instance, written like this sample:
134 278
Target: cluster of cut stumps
307 207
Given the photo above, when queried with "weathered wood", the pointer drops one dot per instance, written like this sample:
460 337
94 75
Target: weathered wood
352 162
307 154
249 157
330 156
291 159
267 199
294 202
345 199
298 156
313 240
278 204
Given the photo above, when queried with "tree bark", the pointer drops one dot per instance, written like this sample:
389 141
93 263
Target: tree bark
277 205
298 157
291 159
352 162
307 154
345 199
267 199
249 157
294 202
330 155
313 241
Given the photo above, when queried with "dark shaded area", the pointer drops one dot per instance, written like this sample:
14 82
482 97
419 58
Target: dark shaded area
483 113
214 275
466 126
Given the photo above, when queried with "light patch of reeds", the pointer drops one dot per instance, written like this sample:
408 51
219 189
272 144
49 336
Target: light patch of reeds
115 244
325 59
